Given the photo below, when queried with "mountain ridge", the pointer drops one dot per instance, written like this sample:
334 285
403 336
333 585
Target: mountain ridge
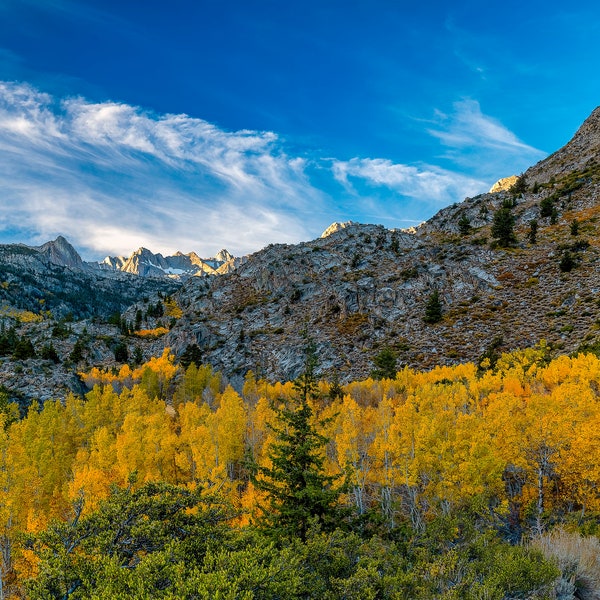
363 288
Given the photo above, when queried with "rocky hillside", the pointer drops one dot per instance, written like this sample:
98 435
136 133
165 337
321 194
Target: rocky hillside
510 268
53 281
363 288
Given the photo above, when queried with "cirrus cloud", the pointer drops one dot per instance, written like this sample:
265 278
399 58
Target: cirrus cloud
112 177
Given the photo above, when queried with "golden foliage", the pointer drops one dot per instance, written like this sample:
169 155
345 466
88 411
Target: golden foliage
152 333
24 316
172 309
415 446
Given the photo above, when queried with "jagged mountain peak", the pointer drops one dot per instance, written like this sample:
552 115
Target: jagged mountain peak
179 266
223 255
61 252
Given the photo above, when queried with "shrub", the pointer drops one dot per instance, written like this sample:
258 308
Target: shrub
578 559
567 262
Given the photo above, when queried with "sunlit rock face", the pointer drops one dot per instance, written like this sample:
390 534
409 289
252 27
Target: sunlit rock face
503 184
335 227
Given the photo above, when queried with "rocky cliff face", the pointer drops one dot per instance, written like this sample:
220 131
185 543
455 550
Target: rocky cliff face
60 252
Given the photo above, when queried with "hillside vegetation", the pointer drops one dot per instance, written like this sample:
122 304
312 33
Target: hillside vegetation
470 481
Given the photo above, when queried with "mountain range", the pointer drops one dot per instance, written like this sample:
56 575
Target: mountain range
357 290
142 262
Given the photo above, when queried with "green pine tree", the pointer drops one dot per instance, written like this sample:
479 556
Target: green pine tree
503 227
192 354
24 349
574 227
299 492
49 353
464 225
433 309
385 364
532 234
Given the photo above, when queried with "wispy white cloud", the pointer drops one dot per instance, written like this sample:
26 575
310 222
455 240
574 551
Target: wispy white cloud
113 177
480 142
467 126
479 149
426 183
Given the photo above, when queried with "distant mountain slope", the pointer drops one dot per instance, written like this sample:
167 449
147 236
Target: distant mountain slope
356 290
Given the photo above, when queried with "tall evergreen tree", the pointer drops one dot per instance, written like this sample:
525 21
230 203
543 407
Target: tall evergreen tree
433 309
503 227
532 234
299 491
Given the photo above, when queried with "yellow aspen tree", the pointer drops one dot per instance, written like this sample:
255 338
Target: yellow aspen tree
231 420
352 443
383 453
404 431
156 375
192 421
96 468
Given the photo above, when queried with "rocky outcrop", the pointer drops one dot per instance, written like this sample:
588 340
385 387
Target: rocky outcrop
504 184
335 227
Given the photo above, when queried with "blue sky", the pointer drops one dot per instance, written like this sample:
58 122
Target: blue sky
197 125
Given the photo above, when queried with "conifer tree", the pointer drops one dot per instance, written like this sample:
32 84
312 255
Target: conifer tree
385 364
24 349
532 234
464 225
191 354
49 353
433 309
299 491
503 227
574 227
